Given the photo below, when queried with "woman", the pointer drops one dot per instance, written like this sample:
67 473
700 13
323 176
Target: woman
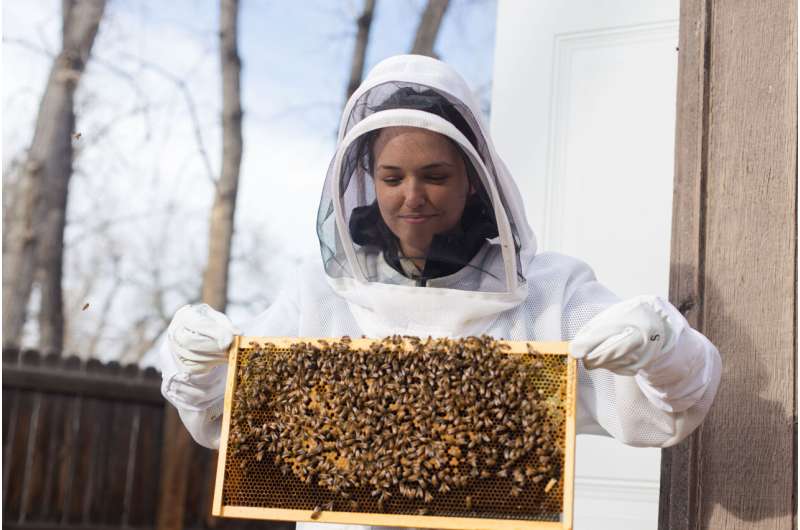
422 232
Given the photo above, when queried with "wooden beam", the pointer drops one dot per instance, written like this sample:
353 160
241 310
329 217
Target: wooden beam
82 384
679 464
734 261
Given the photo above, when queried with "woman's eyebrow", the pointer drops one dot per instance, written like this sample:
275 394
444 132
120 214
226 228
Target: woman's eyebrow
426 166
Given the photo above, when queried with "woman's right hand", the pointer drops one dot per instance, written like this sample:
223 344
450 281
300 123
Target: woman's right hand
199 337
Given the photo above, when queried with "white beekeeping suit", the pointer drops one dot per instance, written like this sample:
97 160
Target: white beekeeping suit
646 378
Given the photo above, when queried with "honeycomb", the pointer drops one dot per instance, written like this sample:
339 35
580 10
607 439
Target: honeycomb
261 481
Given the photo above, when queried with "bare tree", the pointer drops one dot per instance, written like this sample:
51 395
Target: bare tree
428 28
179 448
220 236
360 51
36 221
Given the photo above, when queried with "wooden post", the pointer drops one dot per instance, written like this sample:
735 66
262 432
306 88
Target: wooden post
734 261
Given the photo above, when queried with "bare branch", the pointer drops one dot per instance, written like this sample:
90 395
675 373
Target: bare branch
183 88
28 45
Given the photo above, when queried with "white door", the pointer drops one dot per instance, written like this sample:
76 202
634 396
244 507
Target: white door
583 112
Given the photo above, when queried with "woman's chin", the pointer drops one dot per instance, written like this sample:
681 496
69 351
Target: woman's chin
416 249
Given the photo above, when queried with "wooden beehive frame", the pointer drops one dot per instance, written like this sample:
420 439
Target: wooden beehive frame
384 519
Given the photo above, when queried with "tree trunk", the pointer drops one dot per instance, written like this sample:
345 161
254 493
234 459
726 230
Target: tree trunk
428 28
220 236
178 448
360 51
36 228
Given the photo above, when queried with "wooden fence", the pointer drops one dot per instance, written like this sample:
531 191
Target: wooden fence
82 448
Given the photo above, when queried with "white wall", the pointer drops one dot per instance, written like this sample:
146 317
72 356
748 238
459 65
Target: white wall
583 113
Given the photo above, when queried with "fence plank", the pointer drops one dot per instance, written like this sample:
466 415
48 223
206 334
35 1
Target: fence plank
101 452
148 455
132 464
115 469
31 476
20 477
52 432
40 504
34 456
9 413
67 485
175 466
14 456
193 516
116 446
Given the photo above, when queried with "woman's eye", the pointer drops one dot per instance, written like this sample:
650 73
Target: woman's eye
392 181
436 178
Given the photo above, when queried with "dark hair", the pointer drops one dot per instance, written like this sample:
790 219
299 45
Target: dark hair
450 252
426 100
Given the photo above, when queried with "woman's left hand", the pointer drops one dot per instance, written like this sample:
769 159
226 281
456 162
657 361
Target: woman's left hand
626 337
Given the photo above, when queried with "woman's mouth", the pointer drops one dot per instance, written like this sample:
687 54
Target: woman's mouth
415 219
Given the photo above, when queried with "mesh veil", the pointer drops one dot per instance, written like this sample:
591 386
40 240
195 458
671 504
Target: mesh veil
356 189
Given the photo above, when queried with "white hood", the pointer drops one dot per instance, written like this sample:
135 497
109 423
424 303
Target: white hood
451 306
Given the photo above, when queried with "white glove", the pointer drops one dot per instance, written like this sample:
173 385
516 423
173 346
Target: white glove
626 337
199 338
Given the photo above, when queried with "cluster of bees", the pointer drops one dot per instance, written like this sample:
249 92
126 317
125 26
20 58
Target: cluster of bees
404 417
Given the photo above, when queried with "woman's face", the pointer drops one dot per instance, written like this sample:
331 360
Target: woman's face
421 185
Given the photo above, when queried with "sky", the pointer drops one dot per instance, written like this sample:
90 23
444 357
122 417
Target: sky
142 186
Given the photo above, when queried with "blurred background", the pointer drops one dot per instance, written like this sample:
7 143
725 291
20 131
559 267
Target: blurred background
132 130
147 148
157 153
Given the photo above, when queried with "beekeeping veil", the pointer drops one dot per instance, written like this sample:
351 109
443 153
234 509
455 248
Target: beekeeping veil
402 92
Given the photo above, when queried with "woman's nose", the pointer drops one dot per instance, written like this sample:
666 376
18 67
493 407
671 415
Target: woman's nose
414 195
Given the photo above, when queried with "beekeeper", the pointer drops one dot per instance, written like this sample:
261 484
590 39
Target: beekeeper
423 232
